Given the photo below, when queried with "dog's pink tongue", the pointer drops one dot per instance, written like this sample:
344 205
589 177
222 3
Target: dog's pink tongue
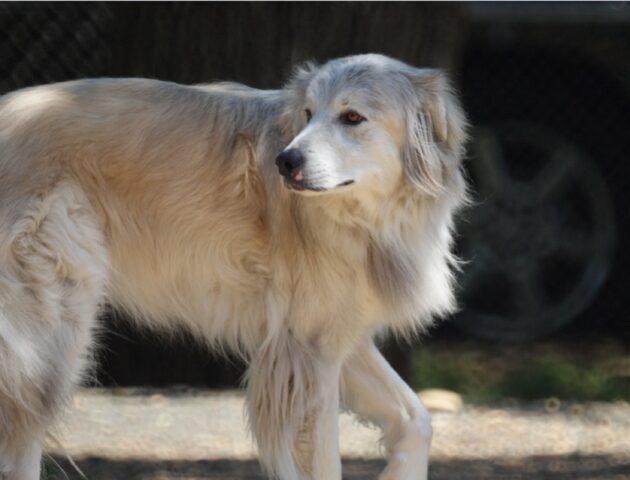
299 176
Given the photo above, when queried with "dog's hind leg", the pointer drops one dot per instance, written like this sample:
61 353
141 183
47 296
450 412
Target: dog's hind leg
25 465
372 389
52 274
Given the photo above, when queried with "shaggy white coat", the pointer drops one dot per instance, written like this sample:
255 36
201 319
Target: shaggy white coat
164 201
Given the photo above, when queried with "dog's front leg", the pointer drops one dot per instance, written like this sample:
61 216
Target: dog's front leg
373 390
317 445
293 405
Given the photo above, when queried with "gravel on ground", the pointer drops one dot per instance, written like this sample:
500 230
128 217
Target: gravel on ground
135 434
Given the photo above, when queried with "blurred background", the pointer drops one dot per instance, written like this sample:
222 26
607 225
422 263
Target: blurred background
547 88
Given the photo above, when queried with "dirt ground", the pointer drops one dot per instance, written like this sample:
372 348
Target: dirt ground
140 435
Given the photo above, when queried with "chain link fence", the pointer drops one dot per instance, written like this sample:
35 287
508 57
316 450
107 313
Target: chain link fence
51 42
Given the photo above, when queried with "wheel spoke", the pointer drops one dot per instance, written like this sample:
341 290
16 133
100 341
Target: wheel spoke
472 223
555 176
540 241
526 290
488 163
480 262
576 246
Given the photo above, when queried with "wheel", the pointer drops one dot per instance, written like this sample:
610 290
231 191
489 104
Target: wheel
538 242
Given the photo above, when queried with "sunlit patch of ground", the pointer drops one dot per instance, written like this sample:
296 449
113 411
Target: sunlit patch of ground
159 435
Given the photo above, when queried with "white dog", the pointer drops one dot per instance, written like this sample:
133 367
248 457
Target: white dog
172 203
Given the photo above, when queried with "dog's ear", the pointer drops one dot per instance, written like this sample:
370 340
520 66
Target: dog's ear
436 132
292 117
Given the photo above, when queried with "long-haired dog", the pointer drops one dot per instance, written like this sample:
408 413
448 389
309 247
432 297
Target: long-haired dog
291 226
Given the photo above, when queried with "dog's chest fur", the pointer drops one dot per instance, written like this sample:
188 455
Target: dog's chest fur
346 274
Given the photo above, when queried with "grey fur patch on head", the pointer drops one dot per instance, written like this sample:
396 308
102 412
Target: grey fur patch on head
295 90
436 132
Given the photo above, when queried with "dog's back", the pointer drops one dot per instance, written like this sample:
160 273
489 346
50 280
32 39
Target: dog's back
163 166
141 192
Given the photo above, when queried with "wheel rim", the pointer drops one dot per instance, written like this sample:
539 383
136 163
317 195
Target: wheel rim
553 217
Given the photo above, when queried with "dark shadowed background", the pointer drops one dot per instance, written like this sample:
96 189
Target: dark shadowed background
547 88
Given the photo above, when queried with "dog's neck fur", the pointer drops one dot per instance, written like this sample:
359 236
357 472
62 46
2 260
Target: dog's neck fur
400 238
383 236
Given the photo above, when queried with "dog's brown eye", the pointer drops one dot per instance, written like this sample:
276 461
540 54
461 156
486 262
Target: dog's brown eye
352 118
309 115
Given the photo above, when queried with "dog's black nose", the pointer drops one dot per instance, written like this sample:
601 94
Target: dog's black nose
289 162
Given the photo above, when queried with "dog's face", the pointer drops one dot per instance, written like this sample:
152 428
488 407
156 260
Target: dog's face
346 136
369 121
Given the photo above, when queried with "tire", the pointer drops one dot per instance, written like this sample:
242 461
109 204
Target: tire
546 166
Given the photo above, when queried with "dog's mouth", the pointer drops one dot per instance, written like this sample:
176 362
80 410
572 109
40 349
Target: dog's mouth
301 185
296 181
345 184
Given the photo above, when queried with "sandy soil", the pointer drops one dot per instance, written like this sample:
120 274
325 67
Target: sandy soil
148 435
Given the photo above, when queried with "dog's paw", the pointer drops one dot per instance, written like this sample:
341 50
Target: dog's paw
403 467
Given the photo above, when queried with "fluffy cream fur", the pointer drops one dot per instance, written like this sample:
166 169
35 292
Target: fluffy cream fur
164 201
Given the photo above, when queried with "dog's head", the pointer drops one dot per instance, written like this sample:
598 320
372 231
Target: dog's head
369 121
